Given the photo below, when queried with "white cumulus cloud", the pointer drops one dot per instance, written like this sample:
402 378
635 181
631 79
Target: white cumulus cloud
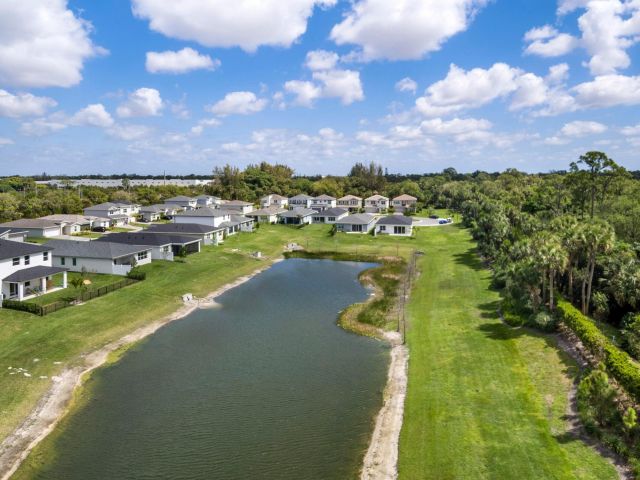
23 105
144 102
580 128
403 29
407 85
247 24
238 103
182 61
94 115
321 60
546 41
43 44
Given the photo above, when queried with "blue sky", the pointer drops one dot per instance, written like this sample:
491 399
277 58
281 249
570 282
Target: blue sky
141 86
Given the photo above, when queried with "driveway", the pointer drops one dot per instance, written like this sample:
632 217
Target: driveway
427 222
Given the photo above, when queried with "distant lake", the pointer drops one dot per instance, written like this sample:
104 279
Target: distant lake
266 386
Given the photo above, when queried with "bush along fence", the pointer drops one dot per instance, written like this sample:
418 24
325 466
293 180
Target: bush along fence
618 363
82 296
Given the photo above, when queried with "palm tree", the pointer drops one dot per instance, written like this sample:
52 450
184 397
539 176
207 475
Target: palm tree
568 229
551 258
597 237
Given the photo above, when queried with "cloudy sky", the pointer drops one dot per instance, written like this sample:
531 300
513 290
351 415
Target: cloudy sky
143 86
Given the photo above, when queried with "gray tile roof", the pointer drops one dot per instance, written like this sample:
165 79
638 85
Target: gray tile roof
324 197
301 196
298 212
266 211
238 203
33 273
395 220
109 250
204 212
331 212
30 223
143 238
103 206
187 228
180 198
11 249
358 219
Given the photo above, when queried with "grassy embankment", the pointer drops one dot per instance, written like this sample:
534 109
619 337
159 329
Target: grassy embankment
484 400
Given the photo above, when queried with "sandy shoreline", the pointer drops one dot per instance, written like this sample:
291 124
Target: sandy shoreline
381 460
53 405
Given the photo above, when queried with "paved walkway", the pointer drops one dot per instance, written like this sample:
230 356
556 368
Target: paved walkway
427 222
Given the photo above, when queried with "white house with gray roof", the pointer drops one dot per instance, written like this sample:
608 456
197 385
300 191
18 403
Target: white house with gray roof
330 215
356 223
35 227
267 214
274 200
213 217
297 216
238 206
182 201
350 202
399 225
118 214
209 235
26 270
376 204
300 201
98 257
322 202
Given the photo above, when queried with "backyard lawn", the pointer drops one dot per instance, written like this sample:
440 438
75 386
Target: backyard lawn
97 281
484 400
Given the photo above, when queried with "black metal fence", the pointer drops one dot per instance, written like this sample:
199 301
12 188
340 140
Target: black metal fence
82 296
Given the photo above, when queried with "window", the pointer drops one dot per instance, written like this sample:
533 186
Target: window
142 255
332 219
73 261
383 228
45 256
27 259
62 260
16 261
27 284
399 230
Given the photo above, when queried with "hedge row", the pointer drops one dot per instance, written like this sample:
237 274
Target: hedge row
22 306
618 362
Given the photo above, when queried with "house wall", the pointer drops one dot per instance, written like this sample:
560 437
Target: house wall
348 228
7 268
389 230
99 265
210 221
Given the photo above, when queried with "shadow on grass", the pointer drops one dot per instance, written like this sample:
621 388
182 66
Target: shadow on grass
489 310
470 259
499 331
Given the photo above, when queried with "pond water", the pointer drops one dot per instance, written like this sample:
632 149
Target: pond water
265 386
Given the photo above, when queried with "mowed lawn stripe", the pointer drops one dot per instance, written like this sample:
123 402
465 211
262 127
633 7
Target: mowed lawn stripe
484 400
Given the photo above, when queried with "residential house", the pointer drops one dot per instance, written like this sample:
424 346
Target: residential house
126 208
238 223
206 216
274 200
237 206
322 202
394 225
330 215
7 233
163 247
170 210
35 227
297 216
376 204
207 234
404 203
300 201
98 257
182 201
207 201
26 270
356 223
112 211
352 203
152 213
267 214
71 224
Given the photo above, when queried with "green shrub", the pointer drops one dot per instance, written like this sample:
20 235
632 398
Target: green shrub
511 315
136 274
22 306
631 334
617 361
543 320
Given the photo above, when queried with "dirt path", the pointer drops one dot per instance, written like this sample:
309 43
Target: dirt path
381 460
53 405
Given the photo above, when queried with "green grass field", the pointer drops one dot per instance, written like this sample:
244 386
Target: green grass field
484 400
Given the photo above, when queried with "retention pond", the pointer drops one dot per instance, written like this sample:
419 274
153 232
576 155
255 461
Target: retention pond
263 386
